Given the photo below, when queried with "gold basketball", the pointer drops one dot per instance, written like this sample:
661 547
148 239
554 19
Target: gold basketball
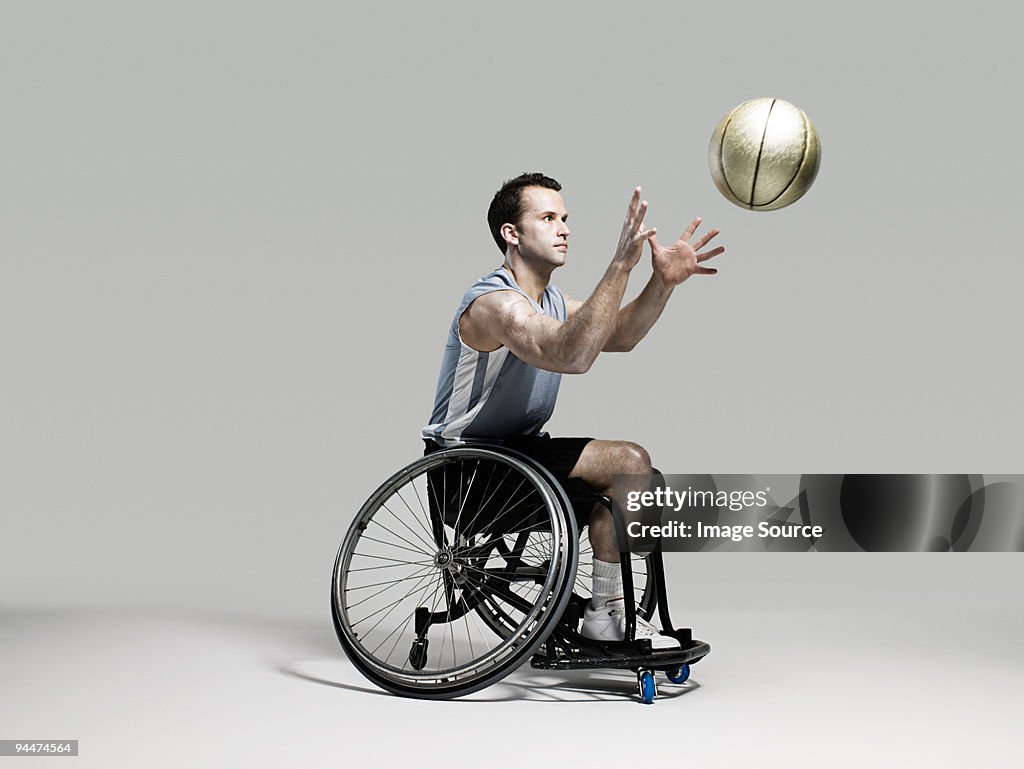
764 154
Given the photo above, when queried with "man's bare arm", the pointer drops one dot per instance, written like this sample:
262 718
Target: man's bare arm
637 317
506 318
672 265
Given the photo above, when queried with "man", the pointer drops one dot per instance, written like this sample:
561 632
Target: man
515 334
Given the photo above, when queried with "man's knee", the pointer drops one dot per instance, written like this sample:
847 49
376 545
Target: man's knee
602 460
632 459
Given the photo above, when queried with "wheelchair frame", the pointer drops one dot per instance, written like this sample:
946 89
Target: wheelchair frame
517 581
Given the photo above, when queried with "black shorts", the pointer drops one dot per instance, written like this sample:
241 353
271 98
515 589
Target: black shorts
559 456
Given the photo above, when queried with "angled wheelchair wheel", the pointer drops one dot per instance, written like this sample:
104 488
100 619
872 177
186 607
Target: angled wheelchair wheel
454 572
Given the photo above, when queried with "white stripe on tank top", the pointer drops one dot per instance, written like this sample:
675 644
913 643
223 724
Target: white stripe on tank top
492 395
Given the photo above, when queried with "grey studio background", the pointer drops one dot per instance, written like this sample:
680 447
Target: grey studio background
232 238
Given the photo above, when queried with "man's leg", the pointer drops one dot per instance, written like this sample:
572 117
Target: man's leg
604 619
597 465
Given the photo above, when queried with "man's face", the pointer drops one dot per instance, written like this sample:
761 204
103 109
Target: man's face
543 234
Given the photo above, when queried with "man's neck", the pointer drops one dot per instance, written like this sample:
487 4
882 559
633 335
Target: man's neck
528 277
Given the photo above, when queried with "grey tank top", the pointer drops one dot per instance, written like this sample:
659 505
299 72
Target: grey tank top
492 395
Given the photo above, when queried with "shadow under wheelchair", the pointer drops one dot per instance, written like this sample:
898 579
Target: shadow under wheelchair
526 684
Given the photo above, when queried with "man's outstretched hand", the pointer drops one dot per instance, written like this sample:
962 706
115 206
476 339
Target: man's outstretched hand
631 241
675 263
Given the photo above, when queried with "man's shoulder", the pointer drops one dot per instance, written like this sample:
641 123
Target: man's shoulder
486 311
492 304
495 289
494 280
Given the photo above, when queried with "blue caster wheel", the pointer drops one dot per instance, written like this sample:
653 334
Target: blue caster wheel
648 690
680 674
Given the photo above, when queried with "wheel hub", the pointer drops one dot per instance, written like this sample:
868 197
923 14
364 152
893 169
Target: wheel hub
443 559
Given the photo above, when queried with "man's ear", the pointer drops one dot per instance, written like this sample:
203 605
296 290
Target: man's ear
508 232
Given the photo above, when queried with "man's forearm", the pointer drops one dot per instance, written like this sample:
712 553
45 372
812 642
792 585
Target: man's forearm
586 333
636 319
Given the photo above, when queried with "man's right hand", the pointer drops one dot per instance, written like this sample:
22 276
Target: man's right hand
633 237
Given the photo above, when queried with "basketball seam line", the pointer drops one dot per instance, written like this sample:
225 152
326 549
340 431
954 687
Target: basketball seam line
800 165
760 149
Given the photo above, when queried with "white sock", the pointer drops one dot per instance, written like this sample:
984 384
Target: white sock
607 583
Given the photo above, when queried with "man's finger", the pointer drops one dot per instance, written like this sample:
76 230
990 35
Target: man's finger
688 232
633 202
640 214
704 241
647 235
705 271
711 253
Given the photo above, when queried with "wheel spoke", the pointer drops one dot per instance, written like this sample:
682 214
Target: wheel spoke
415 517
397 547
391 606
422 573
406 626
411 614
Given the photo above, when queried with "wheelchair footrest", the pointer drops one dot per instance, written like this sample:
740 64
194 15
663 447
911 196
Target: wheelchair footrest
564 654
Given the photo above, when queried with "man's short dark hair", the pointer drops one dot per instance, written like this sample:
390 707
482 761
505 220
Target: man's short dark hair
507 203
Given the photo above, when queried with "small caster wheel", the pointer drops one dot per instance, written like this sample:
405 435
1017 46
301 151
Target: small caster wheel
680 674
645 682
418 653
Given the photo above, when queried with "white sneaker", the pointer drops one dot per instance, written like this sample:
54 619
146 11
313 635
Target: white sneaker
609 624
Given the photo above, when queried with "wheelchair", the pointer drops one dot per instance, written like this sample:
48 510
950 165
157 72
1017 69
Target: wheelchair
468 561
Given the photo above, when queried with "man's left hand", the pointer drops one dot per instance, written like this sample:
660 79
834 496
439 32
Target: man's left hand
675 263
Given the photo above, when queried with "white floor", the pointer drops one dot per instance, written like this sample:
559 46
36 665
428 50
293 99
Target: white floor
928 683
